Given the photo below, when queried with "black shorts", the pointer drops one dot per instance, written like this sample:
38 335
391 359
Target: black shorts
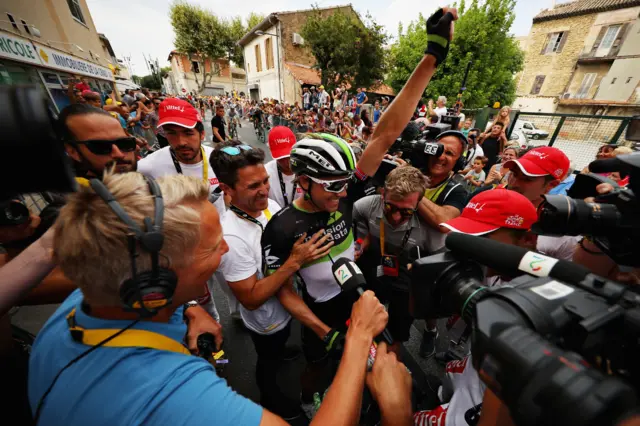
334 313
271 346
400 319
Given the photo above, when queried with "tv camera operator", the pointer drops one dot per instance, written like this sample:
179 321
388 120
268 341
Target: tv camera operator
439 154
558 344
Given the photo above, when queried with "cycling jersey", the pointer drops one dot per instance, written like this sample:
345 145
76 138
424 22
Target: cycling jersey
284 229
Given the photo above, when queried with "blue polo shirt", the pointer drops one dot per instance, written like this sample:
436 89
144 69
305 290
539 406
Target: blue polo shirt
128 386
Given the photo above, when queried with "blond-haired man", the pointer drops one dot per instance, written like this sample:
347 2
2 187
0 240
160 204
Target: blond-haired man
394 236
144 375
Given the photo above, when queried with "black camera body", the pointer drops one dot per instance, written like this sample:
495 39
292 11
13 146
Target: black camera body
527 336
612 220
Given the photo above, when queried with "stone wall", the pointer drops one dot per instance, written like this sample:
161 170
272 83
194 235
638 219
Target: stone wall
556 67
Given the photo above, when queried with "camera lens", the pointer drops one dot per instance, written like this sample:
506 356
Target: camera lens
13 213
561 215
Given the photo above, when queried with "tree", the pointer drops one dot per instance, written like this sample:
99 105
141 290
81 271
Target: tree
254 19
151 82
346 49
136 79
198 35
481 36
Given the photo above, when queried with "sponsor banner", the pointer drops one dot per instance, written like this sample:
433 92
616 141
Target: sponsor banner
61 61
18 48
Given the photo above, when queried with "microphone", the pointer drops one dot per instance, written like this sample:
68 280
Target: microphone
349 277
512 260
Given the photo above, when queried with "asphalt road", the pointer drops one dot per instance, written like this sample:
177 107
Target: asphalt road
240 372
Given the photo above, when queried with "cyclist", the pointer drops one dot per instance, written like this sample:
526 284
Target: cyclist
233 122
332 180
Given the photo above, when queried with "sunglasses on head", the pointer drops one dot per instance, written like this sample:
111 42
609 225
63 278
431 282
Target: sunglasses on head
392 208
236 150
335 186
104 147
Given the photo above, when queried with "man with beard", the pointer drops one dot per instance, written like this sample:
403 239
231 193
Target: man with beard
394 236
95 141
185 155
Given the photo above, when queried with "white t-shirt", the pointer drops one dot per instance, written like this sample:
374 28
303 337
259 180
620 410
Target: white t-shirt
476 151
275 193
558 247
243 260
358 129
440 111
160 164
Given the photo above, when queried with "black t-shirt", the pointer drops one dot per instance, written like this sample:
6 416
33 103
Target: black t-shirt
491 148
217 122
286 226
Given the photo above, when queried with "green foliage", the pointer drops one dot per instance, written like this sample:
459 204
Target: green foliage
136 79
346 49
481 36
151 82
202 35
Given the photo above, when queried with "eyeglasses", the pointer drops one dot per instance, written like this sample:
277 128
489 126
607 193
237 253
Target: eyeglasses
392 208
236 150
104 147
335 186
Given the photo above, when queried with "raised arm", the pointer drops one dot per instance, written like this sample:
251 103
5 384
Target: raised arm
396 117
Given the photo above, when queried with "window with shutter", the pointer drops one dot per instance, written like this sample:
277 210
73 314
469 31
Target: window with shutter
607 41
269 53
587 82
258 58
553 43
537 84
617 43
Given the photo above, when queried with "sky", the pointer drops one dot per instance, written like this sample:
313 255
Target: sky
141 27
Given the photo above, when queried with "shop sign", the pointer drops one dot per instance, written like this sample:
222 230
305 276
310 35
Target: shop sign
61 61
18 49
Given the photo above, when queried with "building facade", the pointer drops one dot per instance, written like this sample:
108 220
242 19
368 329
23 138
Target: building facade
187 77
583 57
51 43
277 61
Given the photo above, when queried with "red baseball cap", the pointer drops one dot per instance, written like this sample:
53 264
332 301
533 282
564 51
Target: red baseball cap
281 140
179 112
542 161
494 209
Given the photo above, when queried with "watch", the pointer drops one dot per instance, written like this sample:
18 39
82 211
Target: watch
187 306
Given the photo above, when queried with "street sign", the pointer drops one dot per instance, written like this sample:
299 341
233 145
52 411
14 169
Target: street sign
184 90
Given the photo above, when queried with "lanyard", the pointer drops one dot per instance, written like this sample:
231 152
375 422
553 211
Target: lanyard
245 216
132 338
205 164
433 193
284 190
404 239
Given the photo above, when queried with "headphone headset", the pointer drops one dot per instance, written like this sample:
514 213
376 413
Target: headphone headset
148 291
145 292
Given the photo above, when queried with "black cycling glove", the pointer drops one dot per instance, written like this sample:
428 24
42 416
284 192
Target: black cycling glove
439 35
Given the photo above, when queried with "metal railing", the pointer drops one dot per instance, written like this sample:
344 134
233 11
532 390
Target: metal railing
577 135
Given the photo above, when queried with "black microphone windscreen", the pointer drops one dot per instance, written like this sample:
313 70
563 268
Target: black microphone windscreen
607 166
511 260
347 274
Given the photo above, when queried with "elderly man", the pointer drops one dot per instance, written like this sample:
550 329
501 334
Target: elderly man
121 333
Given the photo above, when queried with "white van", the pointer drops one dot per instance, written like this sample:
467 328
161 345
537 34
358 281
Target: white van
530 129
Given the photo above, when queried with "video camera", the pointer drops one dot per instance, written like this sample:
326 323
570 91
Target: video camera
527 335
613 219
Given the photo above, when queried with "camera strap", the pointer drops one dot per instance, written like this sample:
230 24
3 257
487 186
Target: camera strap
405 239
432 194
284 190
205 164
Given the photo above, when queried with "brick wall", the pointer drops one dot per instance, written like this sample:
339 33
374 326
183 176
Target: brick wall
556 67
293 23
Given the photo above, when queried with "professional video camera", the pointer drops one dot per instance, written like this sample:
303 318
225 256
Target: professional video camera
518 330
33 160
613 219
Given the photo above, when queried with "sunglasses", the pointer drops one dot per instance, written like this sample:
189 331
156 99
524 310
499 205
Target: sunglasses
335 186
236 150
104 147
392 208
